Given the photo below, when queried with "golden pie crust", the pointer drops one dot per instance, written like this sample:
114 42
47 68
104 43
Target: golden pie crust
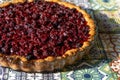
50 63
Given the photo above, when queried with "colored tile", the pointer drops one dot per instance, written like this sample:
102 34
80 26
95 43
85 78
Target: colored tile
104 4
111 45
57 76
87 71
88 74
108 21
82 3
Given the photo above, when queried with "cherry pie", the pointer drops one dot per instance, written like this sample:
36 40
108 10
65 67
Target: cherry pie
40 36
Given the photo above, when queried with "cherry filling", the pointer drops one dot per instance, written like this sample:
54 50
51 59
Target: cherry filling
40 29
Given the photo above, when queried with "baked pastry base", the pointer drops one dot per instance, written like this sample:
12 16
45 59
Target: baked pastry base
50 63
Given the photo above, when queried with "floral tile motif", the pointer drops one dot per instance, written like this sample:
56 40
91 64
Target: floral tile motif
102 71
106 70
88 74
115 66
104 4
112 48
108 21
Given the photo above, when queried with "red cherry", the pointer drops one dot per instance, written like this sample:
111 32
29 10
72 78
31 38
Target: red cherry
40 29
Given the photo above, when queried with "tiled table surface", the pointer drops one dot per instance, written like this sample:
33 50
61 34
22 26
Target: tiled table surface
96 66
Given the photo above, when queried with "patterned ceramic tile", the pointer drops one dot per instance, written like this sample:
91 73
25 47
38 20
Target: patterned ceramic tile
104 4
57 76
38 76
108 20
106 71
5 73
1 72
115 66
111 44
30 76
91 74
67 75
101 71
82 3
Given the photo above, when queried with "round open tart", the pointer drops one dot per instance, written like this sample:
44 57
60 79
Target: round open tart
43 35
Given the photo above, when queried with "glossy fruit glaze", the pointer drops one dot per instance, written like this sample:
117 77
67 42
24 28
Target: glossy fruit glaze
39 29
